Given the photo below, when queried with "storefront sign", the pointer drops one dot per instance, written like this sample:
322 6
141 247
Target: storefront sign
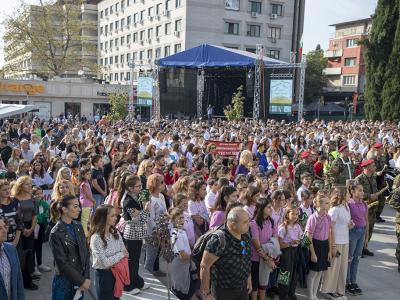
30 89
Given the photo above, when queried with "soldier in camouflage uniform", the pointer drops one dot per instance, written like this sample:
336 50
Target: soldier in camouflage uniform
371 194
304 166
380 162
395 203
342 168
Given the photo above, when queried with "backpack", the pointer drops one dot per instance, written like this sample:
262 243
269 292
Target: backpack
201 243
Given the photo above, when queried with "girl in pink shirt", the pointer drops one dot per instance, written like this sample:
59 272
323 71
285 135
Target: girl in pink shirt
180 200
228 194
86 197
289 234
318 230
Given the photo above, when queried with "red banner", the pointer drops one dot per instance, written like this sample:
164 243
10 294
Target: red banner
228 148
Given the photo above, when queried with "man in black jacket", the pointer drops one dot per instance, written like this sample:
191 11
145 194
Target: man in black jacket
5 151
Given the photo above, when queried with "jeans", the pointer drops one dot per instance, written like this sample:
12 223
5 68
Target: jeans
134 248
99 200
39 244
356 244
151 256
104 282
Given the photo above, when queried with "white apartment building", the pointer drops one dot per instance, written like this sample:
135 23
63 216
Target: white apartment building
142 31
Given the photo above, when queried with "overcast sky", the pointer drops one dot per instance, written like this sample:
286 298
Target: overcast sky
319 14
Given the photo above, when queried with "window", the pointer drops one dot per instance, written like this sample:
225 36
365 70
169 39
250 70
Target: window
351 43
122 41
252 50
349 80
122 4
121 76
111 44
116 42
150 33
111 10
116 7
101 61
106 61
142 34
135 37
116 76
101 14
158 52
111 26
128 39
116 25
231 28
277 9
106 29
274 32
101 30
273 53
159 9
134 56
106 45
255 7
151 11
136 18
121 59
142 15
141 55
178 3
150 54
232 4
106 12
111 60
116 59
122 23
349 62
128 20
168 5
253 30
101 46
128 75
167 50
128 57
128 3
177 48
158 30
178 25
167 28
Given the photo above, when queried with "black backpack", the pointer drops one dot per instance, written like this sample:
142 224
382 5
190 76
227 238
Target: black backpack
200 245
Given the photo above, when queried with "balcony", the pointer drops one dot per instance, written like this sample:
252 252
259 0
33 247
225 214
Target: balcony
333 53
332 71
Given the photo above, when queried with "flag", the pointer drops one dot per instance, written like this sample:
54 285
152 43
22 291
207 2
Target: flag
301 49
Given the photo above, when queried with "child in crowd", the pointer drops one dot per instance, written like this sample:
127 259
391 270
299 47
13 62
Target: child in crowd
262 230
42 221
180 200
211 196
86 197
318 230
306 181
228 194
357 235
289 234
283 175
253 193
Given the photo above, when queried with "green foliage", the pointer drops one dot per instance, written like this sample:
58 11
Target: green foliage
234 111
119 106
315 79
380 56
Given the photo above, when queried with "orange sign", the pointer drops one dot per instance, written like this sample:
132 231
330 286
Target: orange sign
30 89
229 148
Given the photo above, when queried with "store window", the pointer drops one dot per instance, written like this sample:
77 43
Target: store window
72 108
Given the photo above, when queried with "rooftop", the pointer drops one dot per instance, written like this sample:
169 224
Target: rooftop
352 22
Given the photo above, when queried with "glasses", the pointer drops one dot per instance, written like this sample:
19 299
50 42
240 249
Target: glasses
243 244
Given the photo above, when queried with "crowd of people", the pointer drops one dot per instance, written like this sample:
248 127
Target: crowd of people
295 206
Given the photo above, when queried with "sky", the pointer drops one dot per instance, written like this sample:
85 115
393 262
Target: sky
318 16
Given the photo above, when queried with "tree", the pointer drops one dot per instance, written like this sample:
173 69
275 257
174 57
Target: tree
378 51
391 87
119 106
52 33
315 79
234 111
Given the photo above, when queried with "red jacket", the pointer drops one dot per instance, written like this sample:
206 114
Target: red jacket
120 271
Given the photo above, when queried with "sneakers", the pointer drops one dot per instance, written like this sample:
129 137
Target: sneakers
367 252
356 289
36 272
145 286
353 289
44 268
133 292
336 296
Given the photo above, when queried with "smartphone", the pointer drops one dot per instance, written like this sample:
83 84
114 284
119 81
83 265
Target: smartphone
338 254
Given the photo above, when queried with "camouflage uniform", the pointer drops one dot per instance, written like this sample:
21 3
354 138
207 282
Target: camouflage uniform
339 172
370 187
380 163
300 169
395 203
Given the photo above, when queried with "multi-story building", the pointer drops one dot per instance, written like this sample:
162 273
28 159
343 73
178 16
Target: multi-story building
141 31
346 70
30 66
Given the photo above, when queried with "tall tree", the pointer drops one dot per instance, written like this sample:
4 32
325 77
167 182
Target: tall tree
51 33
315 79
391 88
379 47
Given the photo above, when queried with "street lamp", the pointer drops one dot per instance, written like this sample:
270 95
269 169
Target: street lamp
131 65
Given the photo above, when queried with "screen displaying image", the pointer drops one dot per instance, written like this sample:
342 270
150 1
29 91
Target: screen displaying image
281 96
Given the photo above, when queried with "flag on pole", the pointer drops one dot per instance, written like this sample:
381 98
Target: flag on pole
301 49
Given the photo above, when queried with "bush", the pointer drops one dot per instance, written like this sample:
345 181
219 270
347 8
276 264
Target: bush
234 111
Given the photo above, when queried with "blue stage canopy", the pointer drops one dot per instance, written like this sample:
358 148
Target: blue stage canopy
211 56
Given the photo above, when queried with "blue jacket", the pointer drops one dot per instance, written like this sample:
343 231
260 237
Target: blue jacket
17 284
262 162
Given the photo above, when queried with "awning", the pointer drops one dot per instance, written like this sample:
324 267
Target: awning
7 110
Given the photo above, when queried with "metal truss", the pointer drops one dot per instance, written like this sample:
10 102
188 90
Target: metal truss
200 93
258 67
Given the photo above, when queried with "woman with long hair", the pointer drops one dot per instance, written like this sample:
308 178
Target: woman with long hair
16 156
145 170
63 174
22 191
56 164
101 150
23 168
135 212
252 194
246 159
70 251
61 189
40 177
197 207
227 194
107 249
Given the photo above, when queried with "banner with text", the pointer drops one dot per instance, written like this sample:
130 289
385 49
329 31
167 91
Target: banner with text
229 148
281 96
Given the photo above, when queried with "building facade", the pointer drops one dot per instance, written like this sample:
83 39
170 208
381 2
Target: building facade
142 31
346 67
30 66
52 98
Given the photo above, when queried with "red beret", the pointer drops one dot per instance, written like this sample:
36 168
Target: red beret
367 162
305 154
344 147
377 145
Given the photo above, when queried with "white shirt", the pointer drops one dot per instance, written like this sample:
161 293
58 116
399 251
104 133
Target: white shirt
210 200
340 215
180 241
302 188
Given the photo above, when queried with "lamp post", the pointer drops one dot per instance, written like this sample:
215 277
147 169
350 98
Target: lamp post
131 65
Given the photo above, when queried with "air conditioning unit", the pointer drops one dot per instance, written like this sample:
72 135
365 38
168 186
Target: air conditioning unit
274 16
273 40
177 33
151 18
141 42
253 14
